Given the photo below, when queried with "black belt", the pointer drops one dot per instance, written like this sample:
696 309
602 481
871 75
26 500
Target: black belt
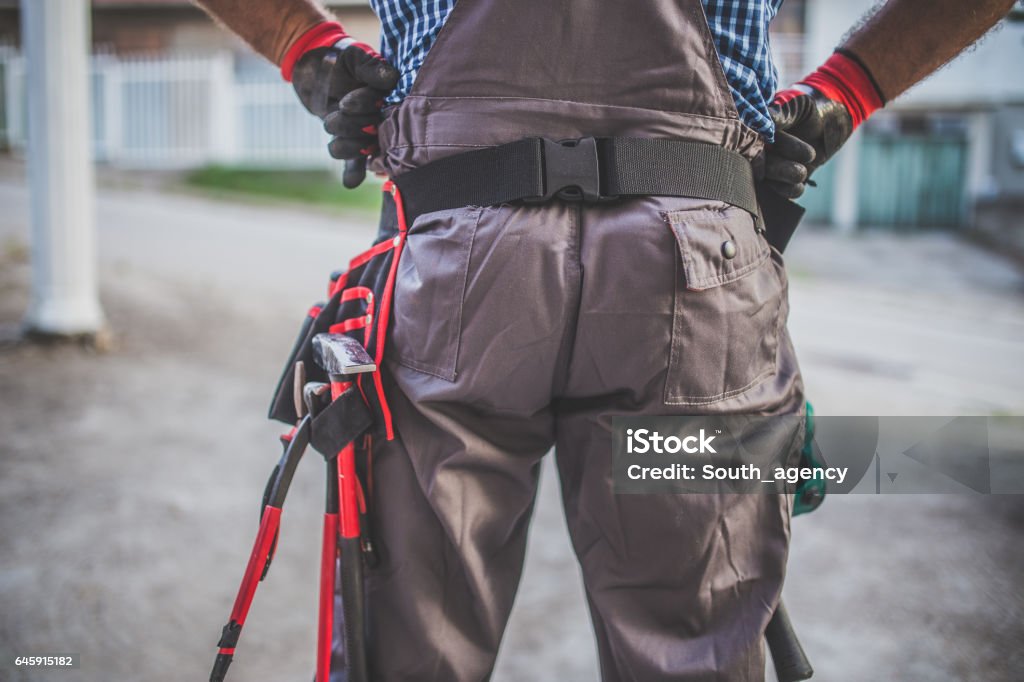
589 170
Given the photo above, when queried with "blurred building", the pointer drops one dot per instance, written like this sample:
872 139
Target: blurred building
948 153
170 89
161 26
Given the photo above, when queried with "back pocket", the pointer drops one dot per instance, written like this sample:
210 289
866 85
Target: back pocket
426 317
728 307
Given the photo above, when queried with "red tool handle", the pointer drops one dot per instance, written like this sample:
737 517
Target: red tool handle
258 559
348 492
348 482
328 566
348 497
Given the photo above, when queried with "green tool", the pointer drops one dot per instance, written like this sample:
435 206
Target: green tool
809 493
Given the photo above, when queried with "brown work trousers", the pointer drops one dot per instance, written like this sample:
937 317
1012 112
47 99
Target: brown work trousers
518 328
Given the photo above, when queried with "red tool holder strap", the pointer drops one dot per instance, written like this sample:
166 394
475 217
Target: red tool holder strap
359 305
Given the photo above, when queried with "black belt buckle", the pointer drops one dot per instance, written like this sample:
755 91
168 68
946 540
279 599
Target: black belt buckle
572 171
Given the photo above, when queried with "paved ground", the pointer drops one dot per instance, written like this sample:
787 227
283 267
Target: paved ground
129 480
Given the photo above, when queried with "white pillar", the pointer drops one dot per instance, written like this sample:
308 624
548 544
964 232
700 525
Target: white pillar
221 76
980 133
65 297
845 186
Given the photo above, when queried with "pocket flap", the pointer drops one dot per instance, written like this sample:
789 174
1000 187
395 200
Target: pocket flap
340 423
717 245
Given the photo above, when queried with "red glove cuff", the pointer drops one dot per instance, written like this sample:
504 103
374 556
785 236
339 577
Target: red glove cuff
844 79
322 35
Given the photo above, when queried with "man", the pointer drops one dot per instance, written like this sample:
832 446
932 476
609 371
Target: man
518 325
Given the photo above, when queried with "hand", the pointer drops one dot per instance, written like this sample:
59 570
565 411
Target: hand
345 85
809 129
815 117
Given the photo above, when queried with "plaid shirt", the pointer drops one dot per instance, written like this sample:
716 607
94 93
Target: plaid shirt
739 29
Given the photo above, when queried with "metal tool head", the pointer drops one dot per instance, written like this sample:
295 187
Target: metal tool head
316 395
341 355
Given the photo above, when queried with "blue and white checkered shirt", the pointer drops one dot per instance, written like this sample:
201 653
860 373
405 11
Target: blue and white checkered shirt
739 28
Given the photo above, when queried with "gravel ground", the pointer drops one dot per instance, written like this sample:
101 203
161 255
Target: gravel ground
130 479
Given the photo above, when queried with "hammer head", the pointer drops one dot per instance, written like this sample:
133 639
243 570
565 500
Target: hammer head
341 355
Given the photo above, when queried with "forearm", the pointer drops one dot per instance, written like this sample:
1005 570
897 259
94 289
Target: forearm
270 28
906 40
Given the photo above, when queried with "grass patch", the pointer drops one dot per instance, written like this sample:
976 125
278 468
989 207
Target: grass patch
308 187
15 250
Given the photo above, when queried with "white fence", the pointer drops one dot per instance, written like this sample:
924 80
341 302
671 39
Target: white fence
181 111
177 111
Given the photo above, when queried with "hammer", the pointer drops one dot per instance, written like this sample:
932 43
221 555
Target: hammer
344 359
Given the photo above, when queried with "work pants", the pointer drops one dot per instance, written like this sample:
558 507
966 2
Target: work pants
516 328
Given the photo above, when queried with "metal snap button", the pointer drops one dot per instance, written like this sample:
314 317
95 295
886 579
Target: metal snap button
729 249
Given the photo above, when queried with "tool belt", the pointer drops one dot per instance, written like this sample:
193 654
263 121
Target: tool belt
531 170
590 170
358 305
593 171
332 393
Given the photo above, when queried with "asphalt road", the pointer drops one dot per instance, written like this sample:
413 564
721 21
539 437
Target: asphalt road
130 480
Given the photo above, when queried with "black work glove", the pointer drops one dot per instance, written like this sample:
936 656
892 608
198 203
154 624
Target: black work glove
809 129
815 117
345 85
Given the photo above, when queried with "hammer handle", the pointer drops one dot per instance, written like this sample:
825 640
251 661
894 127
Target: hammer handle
791 663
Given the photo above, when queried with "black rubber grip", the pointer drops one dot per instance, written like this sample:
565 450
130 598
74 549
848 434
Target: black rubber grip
220 667
791 663
353 606
229 635
269 489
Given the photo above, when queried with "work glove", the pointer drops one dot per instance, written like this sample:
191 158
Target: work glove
814 118
344 82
